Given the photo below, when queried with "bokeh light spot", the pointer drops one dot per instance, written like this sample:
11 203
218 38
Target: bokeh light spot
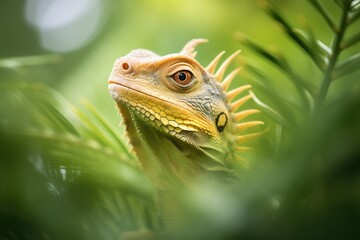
64 25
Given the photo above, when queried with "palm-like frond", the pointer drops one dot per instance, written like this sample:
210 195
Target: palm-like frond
307 152
66 174
78 153
326 58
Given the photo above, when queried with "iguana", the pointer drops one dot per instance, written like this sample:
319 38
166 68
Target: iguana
180 118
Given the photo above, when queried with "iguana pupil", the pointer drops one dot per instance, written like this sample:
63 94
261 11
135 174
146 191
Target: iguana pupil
182 76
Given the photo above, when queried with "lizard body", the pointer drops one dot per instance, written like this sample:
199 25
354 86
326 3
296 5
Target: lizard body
180 118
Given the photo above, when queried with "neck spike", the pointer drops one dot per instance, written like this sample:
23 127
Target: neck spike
189 48
243 114
240 102
220 73
233 93
229 78
211 67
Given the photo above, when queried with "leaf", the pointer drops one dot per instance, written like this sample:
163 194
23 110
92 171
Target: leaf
269 111
279 62
56 134
339 3
323 50
107 126
354 16
262 82
24 61
313 53
325 14
275 59
347 66
351 41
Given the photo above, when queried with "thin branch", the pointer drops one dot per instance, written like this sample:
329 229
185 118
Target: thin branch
322 50
336 50
269 111
91 145
354 17
324 13
339 3
278 61
293 33
351 41
347 66
24 61
107 126
355 5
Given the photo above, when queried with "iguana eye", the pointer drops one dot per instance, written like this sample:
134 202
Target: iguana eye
182 77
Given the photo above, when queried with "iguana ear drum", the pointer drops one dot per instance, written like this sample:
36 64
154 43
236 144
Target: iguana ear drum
221 121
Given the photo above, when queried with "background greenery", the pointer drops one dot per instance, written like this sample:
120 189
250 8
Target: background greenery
66 172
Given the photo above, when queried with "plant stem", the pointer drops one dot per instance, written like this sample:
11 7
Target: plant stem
336 50
324 13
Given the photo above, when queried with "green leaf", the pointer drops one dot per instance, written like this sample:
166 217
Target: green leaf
314 54
347 66
339 3
107 127
275 59
279 62
73 140
354 16
269 111
323 51
328 73
262 82
325 14
351 41
40 60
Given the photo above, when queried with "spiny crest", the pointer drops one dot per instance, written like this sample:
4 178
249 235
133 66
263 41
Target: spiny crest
189 48
235 105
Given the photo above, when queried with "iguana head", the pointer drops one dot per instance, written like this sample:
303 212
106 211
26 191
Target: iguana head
173 104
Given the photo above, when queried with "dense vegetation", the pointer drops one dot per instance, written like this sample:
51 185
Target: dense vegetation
67 173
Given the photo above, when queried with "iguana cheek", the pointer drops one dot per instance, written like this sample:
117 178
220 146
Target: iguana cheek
163 115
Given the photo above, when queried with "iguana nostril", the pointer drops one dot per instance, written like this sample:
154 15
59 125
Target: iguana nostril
125 66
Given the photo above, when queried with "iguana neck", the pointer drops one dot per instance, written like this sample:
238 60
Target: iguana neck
169 162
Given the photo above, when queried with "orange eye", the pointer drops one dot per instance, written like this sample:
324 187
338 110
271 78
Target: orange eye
183 77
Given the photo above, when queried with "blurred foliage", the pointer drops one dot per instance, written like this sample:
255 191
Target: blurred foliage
65 172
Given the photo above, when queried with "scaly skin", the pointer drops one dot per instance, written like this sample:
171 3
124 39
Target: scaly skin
179 119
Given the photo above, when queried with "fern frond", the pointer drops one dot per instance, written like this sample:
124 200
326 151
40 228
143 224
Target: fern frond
347 66
37 60
72 148
108 128
336 51
325 14
314 53
351 41
263 84
280 62
325 57
269 111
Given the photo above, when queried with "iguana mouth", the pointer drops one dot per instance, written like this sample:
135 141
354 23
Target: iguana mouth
167 116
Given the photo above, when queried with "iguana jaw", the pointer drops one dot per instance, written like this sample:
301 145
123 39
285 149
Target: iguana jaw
167 161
